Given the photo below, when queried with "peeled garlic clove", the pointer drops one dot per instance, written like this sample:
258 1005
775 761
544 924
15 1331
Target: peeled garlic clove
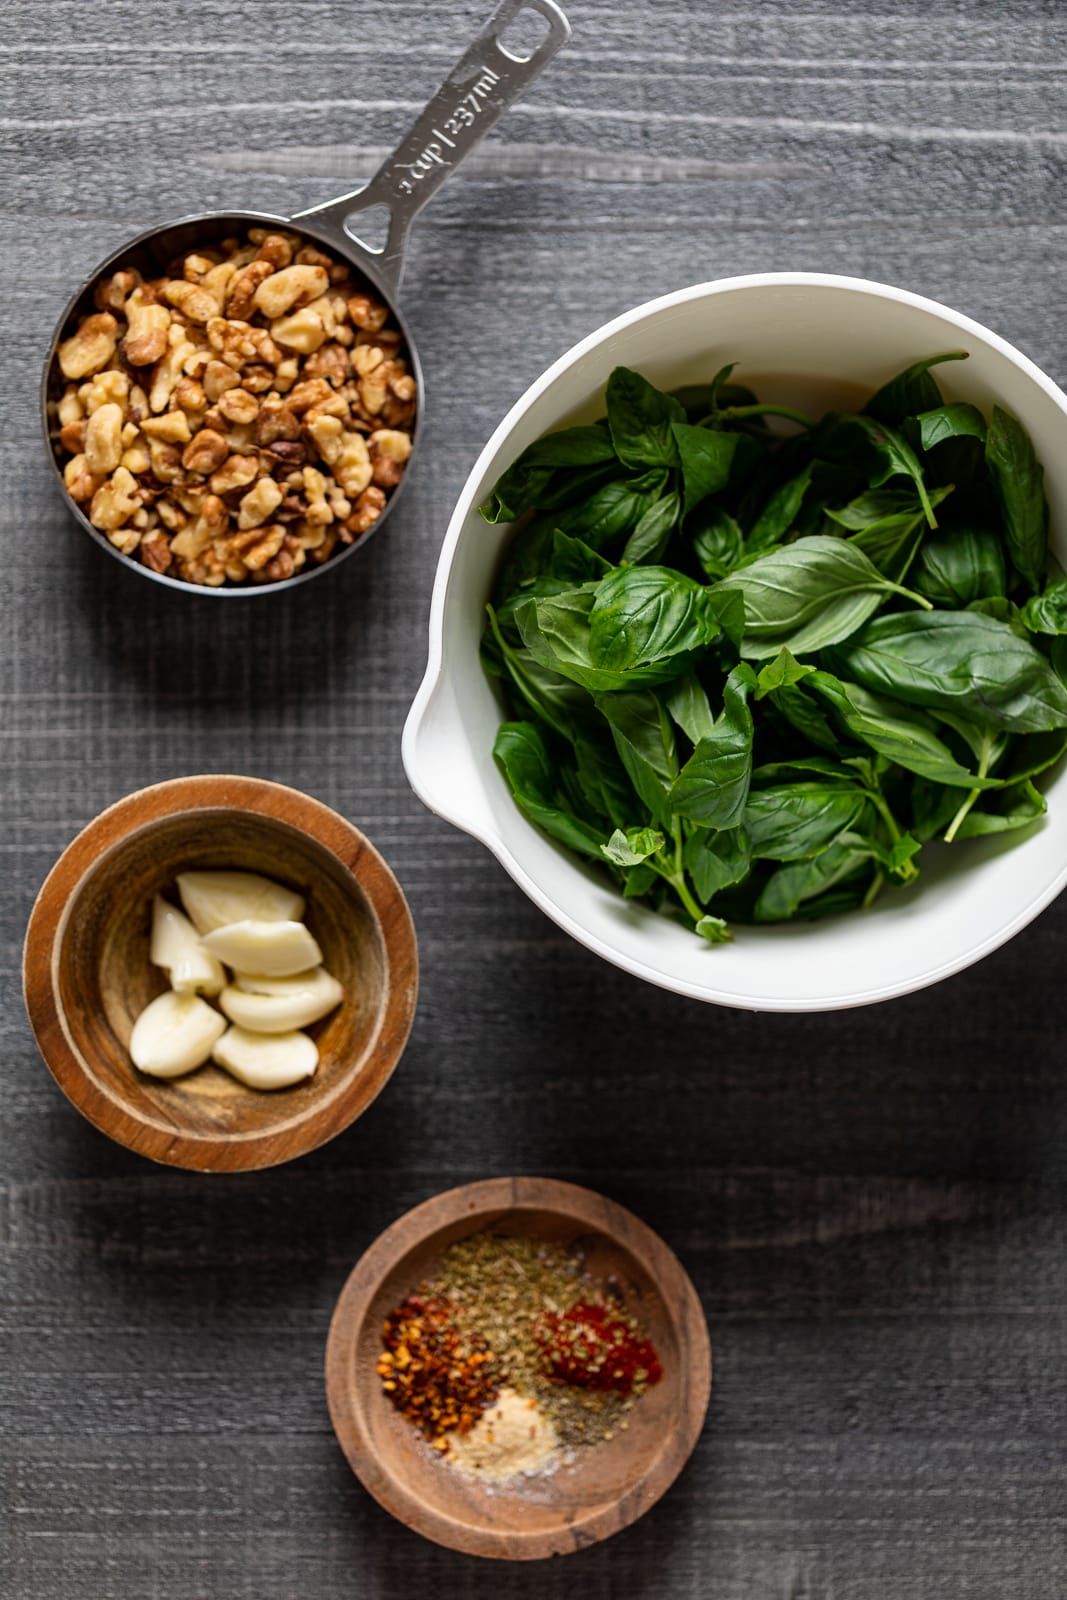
291 1003
215 899
260 983
266 1060
278 949
177 949
175 1034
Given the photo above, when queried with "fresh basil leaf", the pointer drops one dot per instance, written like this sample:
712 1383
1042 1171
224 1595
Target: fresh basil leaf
1018 483
891 454
612 510
853 895
799 769
904 849
571 447
954 421
540 588
1002 610
718 542
645 743
1047 612
786 890
572 487
957 565
790 821
804 716
716 858
704 399
637 881
780 512
876 506
527 555
646 614
515 492
653 531
888 538
604 782
714 930
556 701
956 661
1013 807
986 744
524 760
575 561
687 703
705 455
780 673
694 399
629 849
911 392
932 808
728 607
712 787
900 733
521 487
891 546
805 596
556 632
1030 754
640 418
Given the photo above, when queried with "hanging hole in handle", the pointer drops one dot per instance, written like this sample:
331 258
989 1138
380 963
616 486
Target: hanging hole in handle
524 35
370 228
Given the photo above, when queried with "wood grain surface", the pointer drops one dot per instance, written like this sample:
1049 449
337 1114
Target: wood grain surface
873 1205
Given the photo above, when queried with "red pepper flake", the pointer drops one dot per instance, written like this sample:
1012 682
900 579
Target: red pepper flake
591 1348
439 1380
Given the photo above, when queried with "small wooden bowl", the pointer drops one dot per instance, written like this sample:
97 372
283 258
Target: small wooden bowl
87 975
609 1485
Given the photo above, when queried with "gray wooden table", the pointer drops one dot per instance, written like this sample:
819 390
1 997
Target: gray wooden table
873 1205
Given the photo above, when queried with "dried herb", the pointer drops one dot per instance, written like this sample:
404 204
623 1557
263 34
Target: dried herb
510 1311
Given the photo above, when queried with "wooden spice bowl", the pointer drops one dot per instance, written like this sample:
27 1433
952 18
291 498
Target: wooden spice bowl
87 973
605 1487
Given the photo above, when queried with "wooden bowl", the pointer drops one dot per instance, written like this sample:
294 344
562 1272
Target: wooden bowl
609 1485
87 975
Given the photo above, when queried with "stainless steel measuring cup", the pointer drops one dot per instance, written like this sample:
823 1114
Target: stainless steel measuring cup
488 78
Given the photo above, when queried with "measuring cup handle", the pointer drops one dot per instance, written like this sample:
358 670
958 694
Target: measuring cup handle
480 87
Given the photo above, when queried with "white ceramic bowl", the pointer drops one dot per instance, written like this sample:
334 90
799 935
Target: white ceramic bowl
803 338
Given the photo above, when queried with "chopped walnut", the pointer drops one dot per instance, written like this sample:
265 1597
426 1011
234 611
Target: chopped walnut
261 501
72 436
241 297
291 287
115 501
236 472
191 300
367 312
81 483
239 418
103 439
90 347
277 248
237 405
206 452
172 427
369 508
147 326
155 550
